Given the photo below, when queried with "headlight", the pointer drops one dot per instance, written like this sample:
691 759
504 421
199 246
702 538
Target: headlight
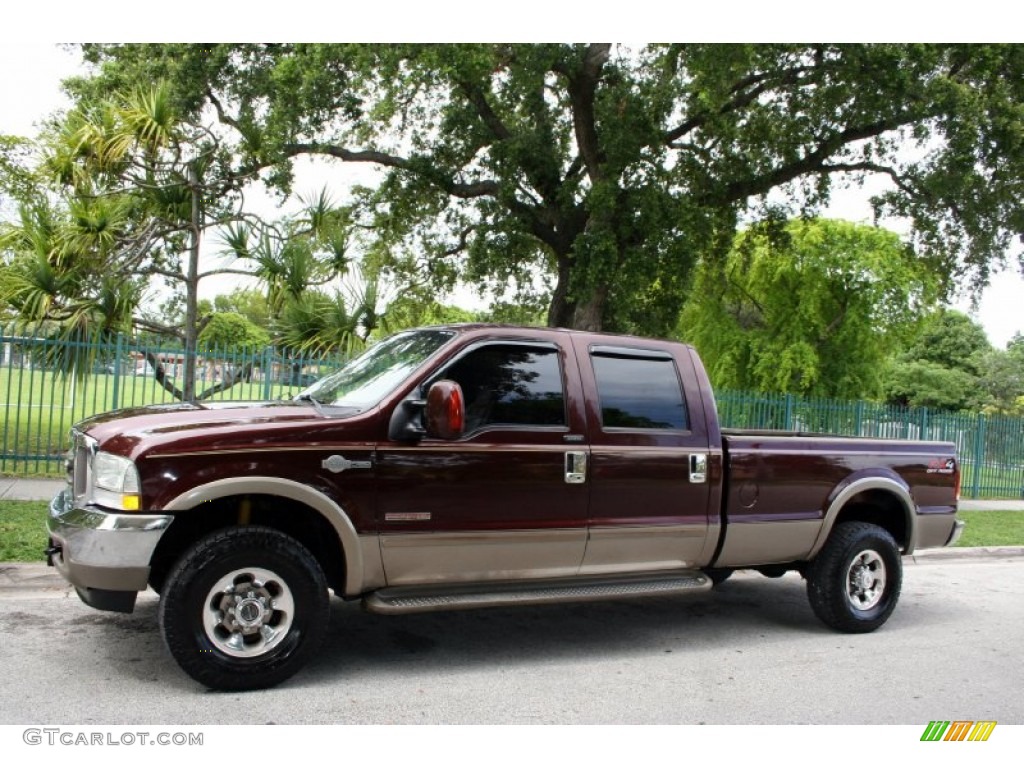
115 481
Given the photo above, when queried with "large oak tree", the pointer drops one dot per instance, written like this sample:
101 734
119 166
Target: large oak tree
610 169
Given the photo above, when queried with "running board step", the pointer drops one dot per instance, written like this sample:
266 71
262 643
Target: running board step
448 598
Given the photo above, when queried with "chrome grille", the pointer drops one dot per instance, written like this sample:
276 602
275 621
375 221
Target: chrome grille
79 465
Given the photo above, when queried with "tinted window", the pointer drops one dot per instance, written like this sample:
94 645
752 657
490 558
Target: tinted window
639 393
510 384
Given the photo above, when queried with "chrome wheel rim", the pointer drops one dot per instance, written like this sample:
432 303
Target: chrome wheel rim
248 612
865 580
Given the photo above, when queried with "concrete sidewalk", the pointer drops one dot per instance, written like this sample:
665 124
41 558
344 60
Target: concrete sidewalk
29 489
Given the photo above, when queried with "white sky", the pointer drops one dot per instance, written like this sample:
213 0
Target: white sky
30 74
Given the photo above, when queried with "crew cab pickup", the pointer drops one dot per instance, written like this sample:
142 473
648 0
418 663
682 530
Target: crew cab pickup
473 466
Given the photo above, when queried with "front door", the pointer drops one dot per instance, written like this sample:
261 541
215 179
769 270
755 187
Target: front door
504 501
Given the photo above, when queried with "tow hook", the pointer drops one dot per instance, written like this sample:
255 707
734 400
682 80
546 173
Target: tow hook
50 551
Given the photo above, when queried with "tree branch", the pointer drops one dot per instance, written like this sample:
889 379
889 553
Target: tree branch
763 83
153 327
160 374
892 173
811 162
242 373
582 90
475 94
485 188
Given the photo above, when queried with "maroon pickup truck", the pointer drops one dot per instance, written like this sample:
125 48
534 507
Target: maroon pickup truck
467 466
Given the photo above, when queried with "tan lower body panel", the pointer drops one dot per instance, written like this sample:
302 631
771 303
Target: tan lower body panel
373 567
766 543
431 558
643 548
934 530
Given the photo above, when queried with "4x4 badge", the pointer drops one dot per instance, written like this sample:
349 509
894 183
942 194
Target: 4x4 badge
338 463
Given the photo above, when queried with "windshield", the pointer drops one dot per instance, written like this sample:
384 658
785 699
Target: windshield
369 378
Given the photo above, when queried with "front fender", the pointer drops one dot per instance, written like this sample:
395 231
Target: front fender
355 561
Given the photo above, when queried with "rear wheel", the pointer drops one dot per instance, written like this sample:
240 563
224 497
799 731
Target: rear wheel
244 608
854 583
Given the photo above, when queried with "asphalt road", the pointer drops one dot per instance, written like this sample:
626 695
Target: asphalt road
750 652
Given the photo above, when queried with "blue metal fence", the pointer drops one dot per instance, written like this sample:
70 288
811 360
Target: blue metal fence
47 385
991 448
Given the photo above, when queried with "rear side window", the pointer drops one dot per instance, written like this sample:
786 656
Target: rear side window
639 392
512 384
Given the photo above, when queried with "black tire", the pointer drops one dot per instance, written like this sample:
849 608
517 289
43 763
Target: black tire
718 575
854 582
244 608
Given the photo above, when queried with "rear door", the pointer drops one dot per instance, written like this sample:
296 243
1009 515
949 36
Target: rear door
650 495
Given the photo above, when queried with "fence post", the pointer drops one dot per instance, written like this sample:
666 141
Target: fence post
858 415
979 456
924 423
789 412
266 365
115 397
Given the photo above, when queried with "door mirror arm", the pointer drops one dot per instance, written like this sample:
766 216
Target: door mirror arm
406 421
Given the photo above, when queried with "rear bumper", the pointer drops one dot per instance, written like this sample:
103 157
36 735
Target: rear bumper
102 552
956 533
936 527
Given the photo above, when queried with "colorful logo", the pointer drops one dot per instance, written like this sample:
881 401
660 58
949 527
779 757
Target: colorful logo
958 730
941 466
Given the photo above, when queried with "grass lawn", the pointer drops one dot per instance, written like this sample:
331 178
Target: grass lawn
992 529
37 408
23 531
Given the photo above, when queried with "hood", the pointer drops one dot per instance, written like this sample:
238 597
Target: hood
210 426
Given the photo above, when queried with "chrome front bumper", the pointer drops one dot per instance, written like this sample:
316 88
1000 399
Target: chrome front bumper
102 551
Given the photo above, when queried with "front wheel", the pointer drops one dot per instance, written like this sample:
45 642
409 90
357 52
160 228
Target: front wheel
244 608
854 583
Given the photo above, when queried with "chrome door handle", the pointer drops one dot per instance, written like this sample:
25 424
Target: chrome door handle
698 467
575 467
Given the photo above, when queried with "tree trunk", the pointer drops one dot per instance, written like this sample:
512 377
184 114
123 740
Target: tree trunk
561 309
564 312
188 384
589 314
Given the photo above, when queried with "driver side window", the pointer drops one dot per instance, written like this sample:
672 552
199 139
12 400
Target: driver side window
510 384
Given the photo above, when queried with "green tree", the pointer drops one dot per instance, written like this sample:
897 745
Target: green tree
1002 378
136 189
812 307
16 178
321 296
230 330
941 366
250 303
610 169
411 310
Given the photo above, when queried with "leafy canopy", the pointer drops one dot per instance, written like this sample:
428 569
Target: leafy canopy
951 365
812 307
611 170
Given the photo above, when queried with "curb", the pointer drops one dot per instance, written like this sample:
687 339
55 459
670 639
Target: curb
965 553
17 579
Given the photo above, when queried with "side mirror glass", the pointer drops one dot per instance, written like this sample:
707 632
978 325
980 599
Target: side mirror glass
445 415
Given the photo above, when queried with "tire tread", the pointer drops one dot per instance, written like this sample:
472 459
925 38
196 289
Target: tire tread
826 577
208 552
